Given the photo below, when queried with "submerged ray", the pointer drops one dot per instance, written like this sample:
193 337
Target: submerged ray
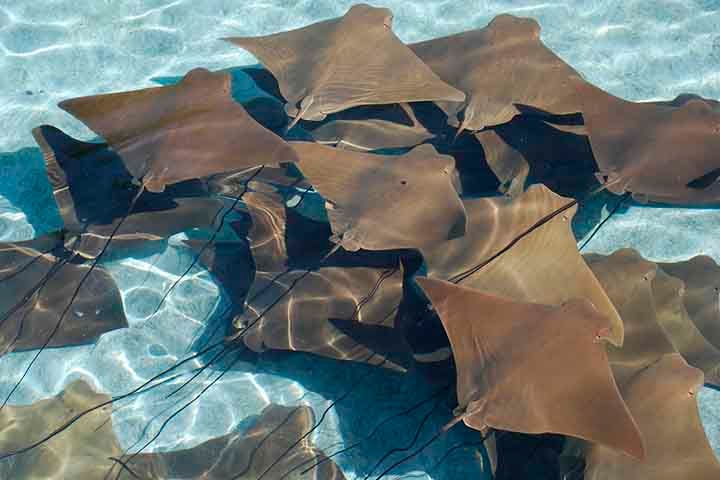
342 308
662 399
500 68
94 191
245 456
628 280
533 368
345 62
375 128
661 152
656 322
38 280
385 202
165 135
542 267
701 276
81 452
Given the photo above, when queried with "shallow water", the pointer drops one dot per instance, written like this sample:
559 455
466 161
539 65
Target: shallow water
58 49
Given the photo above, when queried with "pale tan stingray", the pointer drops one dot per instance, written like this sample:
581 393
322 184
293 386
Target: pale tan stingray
656 323
179 132
542 267
382 130
533 368
662 399
296 310
500 67
83 451
662 152
94 194
508 165
669 294
245 456
344 62
701 276
627 279
385 202
36 289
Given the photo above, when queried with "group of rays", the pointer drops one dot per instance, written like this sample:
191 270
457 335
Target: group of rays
450 172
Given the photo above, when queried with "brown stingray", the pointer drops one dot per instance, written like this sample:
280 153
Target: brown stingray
507 164
344 62
393 126
701 276
190 130
246 456
662 400
299 311
384 202
669 294
660 152
500 68
542 267
94 193
656 323
80 452
32 269
628 280
533 368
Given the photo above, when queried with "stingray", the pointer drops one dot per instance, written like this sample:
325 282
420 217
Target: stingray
83 451
42 272
650 303
345 62
248 455
701 276
669 293
561 160
662 399
500 68
94 193
342 308
384 202
533 368
543 267
165 135
385 127
660 152
628 280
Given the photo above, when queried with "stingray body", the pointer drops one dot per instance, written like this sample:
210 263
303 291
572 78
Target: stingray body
662 152
533 368
662 399
246 456
542 267
529 148
38 281
501 68
374 128
80 452
345 62
168 134
701 277
656 323
96 197
385 202
343 308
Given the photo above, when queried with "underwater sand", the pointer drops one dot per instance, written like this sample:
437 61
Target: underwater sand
57 49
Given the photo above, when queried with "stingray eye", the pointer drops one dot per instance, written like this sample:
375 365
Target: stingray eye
403 182
387 23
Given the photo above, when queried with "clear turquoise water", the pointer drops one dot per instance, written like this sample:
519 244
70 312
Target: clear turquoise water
57 49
